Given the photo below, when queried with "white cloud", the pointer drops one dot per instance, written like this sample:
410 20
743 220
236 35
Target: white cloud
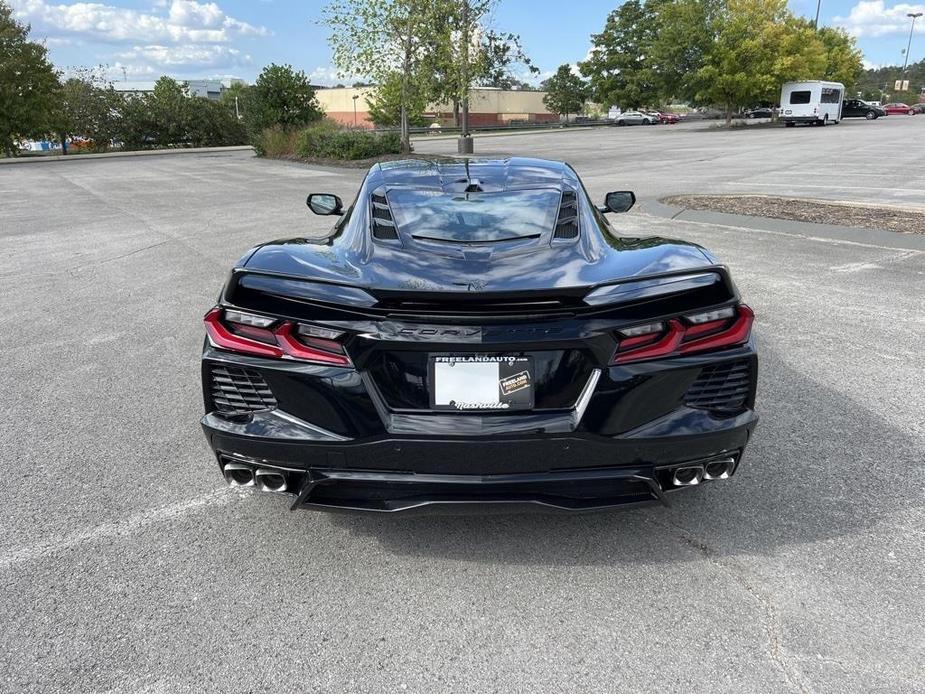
180 58
874 18
183 21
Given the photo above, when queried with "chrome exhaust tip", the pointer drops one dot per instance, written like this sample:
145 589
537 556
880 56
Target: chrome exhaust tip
270 480
687 475
719 469
238 475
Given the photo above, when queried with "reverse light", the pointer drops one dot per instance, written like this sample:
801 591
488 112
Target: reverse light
698 332
248 333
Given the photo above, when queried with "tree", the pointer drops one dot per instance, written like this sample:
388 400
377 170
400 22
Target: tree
844 60
565 92
501 51
681 37
28 84
280 96
378 38
385 104
758 46
618 66
88 107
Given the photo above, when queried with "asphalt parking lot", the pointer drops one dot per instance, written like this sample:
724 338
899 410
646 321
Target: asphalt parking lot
127 566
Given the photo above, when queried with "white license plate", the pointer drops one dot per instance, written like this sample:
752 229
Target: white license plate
467 382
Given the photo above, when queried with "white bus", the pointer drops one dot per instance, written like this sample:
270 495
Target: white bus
816 102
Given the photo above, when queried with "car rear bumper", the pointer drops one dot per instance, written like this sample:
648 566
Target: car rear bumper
566 472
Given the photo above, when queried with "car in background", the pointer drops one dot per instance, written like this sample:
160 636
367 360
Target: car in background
857 108
761 112
668 118
476 331
899 108
918 108
635 118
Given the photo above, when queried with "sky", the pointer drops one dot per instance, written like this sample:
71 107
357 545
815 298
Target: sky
143 39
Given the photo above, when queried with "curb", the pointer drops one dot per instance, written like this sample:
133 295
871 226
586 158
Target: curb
880 237
116 155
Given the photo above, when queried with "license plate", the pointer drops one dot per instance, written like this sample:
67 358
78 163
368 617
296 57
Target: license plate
475 382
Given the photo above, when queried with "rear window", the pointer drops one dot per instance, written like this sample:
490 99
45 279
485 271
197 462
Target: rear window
830 96
801 97
474 217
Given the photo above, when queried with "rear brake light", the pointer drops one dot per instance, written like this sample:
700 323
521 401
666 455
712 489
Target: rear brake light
691 333
248 334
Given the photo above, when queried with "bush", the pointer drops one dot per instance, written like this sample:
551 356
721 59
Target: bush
276 142
328 141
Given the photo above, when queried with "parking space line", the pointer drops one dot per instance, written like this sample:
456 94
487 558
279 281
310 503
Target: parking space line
127 526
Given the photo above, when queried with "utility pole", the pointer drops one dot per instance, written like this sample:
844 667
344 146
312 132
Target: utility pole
464 145
818 5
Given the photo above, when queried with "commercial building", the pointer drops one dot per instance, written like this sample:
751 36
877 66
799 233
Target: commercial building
487 106
209 89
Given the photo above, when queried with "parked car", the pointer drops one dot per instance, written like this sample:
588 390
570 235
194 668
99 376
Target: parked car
474 332
635 118
899 109
668 118
918 108
856 108
761 112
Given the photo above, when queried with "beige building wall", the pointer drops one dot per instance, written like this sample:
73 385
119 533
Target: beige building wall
486 106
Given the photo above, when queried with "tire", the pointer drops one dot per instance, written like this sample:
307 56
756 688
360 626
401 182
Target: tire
621 123
789 124
825 121
870 115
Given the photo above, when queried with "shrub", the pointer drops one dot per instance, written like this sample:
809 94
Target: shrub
276 142
328 141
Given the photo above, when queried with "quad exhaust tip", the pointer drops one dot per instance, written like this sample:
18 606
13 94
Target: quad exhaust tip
238 475
270 480
687 475
719 469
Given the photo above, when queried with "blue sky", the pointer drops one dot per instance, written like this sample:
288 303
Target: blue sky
143 39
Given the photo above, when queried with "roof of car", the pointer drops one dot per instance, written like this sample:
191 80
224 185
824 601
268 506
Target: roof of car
489 174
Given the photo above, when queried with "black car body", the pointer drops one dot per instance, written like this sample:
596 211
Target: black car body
760 112
475 331
855 108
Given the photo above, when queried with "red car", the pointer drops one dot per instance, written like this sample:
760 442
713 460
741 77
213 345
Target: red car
668 118
900 109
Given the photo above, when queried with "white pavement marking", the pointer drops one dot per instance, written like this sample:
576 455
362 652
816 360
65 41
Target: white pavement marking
121 528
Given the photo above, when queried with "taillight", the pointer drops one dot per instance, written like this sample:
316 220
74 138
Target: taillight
248 333
698 332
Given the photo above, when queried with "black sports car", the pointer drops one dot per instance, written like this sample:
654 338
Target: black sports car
475 331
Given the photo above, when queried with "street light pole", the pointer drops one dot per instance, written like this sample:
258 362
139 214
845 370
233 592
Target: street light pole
914 16
355 97
818 5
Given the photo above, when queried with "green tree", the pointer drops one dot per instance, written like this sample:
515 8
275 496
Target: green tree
844 60
618 67
758 46
500 52
376 38
683 34
213 123
28 84
280 96
566 92
385 104
88 107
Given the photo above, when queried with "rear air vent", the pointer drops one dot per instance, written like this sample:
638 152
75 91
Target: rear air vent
722 386
567 222
236 390
383 224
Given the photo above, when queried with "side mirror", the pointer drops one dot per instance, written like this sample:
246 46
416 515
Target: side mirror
325 204
619 201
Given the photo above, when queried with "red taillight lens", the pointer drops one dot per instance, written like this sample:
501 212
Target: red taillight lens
279 342
689 334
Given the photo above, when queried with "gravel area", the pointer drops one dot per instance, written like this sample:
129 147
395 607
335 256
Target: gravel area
842 214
